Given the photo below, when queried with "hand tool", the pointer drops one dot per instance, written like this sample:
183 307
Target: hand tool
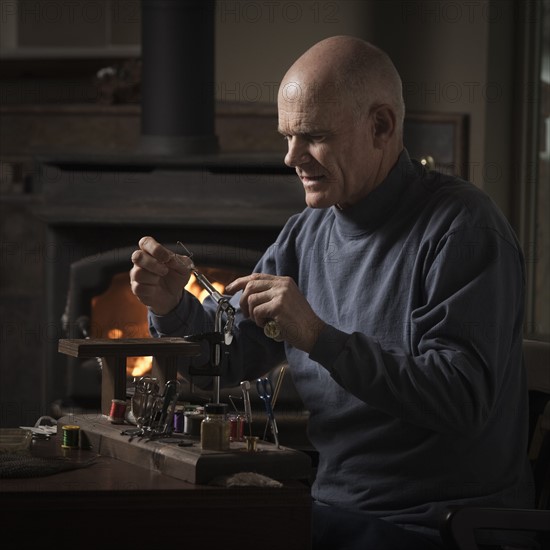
245 388
265 391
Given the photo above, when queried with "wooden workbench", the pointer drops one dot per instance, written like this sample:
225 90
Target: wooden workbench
113 503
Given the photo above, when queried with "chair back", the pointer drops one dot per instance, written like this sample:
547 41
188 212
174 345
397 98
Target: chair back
536 356
460 525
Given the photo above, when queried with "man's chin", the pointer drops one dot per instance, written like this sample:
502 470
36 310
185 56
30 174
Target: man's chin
314 200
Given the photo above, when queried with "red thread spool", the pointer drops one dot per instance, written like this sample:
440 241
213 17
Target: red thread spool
118 411
237 427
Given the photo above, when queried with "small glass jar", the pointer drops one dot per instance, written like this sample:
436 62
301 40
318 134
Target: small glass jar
215 428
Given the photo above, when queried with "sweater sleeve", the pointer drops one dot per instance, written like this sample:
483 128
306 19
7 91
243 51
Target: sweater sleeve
464 339
188 317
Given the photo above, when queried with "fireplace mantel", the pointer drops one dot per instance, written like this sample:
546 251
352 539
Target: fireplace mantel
214 190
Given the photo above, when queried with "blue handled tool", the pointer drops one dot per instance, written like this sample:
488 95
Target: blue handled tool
265 391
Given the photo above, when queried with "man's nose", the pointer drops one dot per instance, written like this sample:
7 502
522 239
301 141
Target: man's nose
297 152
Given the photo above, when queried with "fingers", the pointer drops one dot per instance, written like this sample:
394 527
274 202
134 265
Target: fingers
261 298
147 276
266 301
154 257
237 284
145 262
156 250
276 298
158 275
181 264
144 282
241 282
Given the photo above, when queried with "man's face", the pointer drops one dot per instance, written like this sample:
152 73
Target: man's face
330 148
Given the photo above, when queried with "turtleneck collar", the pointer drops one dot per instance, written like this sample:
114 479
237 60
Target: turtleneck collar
367 214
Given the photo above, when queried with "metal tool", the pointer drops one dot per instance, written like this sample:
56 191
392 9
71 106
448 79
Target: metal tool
276 392
223 302
224 308
245 388
142 401
153 411
265 392
169 399
147 389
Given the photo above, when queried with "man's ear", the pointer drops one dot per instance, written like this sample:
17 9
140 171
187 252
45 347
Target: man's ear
385 122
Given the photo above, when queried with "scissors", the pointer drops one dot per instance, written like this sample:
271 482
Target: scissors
265 391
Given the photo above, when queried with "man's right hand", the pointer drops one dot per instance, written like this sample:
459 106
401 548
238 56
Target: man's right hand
158 276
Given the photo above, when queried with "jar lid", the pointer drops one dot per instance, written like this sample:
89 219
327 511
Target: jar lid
215 408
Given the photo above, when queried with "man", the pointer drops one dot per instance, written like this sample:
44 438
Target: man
399 296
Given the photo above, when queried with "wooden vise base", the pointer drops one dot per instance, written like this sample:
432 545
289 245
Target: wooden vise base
113 354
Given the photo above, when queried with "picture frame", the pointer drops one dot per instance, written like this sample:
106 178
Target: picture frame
438 140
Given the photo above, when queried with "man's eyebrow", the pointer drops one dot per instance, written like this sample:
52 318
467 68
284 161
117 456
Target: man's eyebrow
304 131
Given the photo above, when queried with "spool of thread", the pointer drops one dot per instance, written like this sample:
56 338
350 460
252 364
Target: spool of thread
178 422
118 411
192 422
237 427
71 436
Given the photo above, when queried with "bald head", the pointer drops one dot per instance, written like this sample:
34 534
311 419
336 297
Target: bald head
341 112
345 69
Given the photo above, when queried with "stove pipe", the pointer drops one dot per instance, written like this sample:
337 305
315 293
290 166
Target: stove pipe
178 77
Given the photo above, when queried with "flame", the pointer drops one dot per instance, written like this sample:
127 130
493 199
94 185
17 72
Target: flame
139 366
196 289
115 333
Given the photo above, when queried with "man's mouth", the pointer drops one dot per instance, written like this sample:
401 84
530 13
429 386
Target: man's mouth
310 179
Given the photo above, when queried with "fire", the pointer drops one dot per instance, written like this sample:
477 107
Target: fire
135 366
139 366
115 333
196 289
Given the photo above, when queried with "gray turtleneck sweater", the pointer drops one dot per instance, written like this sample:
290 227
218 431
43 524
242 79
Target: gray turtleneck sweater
415 388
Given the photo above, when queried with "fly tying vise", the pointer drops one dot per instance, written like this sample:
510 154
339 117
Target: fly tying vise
272 329
222 301
225 332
